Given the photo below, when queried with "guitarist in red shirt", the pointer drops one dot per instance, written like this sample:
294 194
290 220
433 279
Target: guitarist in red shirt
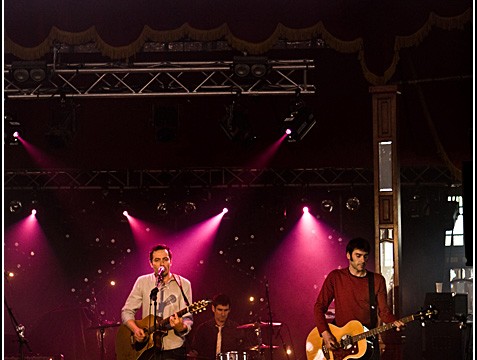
350 289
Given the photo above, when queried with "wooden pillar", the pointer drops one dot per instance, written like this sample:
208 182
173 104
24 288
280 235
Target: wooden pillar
387 200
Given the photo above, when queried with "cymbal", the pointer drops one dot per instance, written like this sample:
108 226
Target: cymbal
263 346
105 325
258 324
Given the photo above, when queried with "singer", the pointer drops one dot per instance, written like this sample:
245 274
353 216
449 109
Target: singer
173 293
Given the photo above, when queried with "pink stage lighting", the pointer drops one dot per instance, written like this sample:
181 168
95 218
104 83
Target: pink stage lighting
33 212
288 131
225 210
125 213
306 209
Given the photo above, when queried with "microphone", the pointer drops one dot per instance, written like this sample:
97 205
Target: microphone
160 271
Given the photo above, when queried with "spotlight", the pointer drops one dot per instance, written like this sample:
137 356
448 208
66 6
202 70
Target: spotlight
190 207
12 130
306 209
352 203
235 123
15 206
299 121
162 208
327 205
62 127
250 66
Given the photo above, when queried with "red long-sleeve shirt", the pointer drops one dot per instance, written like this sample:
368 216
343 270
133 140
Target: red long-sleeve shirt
351 295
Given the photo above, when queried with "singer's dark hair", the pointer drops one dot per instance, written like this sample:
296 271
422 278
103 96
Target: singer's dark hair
358 243
221 299
160 247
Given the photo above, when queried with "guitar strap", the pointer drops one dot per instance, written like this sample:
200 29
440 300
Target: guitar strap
372 300
178 281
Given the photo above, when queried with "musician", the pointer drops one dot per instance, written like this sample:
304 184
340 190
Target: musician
205 343
349 288
172 293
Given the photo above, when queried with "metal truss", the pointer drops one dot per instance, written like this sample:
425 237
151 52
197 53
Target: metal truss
210 178
210 78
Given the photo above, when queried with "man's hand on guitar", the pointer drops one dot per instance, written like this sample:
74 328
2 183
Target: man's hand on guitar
399 325
329 340
139 335
177 323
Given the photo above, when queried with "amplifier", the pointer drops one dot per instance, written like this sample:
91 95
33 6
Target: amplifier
450 307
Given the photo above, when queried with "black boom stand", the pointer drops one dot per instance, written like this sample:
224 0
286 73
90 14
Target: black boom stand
20 331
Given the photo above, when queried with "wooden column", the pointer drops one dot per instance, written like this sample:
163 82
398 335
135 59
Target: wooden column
387 200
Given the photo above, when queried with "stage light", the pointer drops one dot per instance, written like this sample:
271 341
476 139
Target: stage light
12 130
327 205
225 210
162 208
125 213
15 206
235 123
33 212
306 210
299 120
189 207
352 203
62 126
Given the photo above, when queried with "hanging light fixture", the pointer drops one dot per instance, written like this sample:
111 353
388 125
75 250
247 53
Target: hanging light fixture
353 203
299 121
327 205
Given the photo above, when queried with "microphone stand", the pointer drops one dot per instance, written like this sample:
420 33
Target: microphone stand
19 329
270 331
153 297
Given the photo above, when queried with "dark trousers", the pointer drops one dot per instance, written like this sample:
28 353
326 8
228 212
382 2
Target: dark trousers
154 353
372 349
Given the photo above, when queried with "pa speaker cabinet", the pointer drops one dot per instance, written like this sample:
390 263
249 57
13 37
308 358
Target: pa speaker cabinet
446 340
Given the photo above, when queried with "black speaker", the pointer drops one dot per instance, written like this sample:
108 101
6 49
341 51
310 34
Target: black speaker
468 212
166 122
449 307
447 340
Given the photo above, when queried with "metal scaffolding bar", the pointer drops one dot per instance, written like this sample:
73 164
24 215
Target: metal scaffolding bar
211 178
204 78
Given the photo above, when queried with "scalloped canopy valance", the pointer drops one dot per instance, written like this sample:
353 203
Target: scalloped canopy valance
376 30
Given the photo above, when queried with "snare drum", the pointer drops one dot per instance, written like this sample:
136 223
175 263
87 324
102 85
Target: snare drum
232 355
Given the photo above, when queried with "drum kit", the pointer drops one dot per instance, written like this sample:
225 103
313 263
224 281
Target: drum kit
253 352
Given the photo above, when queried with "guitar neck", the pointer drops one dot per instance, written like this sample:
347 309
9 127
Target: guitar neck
380 329
180 313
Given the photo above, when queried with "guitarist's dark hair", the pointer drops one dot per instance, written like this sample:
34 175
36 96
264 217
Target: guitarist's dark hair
221 299
160 247
358 243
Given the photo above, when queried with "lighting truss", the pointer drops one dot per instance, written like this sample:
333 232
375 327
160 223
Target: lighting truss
206 78
211 178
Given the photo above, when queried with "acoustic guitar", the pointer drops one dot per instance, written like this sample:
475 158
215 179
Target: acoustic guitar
129 349
352 338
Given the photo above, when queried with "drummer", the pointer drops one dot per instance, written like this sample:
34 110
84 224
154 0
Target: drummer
219 335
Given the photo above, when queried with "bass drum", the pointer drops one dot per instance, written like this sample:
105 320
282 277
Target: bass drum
233 355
